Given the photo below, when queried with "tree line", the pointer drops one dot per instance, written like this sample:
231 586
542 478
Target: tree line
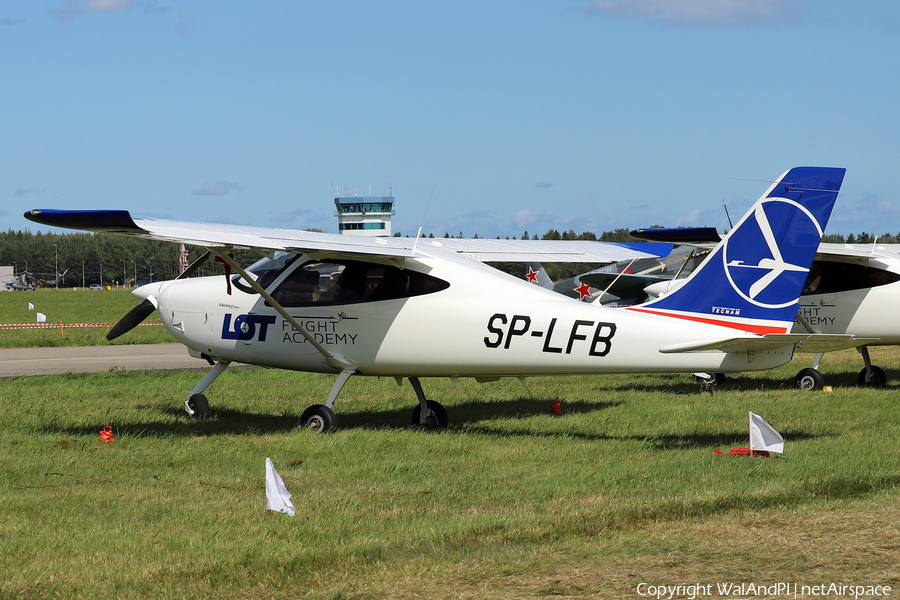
87 258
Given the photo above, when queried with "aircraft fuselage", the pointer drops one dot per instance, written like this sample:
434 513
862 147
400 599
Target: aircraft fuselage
483 324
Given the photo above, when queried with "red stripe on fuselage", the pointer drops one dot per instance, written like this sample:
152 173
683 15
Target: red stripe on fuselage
757 329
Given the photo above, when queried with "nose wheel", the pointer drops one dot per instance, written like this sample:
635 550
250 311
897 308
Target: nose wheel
197 406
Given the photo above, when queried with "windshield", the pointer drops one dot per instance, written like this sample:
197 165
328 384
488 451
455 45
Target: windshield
265 271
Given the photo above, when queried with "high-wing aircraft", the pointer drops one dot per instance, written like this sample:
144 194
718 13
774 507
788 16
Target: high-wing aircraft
407 308
849 289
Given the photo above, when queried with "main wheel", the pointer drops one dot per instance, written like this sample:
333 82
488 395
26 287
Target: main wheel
809 379
438 418
319 418
878 377
200 405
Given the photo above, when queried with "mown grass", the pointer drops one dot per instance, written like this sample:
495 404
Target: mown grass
68 306
623 488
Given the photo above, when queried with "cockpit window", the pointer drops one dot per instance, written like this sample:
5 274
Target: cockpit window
265 271
827 277
352 282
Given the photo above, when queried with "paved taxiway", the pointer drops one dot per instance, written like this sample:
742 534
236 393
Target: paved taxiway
96 359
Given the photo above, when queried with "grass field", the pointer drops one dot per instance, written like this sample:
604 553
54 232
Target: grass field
509 502
68 306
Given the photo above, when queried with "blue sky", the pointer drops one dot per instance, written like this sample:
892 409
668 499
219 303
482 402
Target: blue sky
570 114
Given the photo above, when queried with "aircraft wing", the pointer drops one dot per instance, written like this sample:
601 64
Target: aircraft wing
859 250
245 236
488 250
706 237
811 343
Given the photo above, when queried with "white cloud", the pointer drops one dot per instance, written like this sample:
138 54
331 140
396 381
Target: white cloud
21 192
216 188
869 212
692 219
300 219
80 7
524 218
290 216
108 5
75 8
183 26
726 13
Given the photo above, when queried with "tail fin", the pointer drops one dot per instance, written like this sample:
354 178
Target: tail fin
752 280
537 275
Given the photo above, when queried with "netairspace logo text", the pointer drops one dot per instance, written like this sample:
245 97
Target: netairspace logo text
749 590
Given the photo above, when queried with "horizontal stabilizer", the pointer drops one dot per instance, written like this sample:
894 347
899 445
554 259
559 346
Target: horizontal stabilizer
802 342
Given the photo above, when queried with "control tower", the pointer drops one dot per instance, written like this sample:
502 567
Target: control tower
368 216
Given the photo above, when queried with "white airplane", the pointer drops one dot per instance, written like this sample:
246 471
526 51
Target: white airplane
396 307
849 289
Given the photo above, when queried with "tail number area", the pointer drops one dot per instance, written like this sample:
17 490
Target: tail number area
597 335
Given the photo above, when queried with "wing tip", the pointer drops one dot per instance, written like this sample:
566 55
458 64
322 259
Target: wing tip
108 221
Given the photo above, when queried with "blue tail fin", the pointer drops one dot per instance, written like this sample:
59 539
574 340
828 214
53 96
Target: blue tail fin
752 280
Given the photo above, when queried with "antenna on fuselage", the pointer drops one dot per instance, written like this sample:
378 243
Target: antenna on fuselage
880 219
416 243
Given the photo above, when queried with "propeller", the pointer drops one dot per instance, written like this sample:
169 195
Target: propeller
143 310
194 265
134 318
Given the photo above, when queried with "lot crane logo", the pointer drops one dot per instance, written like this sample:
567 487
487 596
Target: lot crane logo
245 327
763 264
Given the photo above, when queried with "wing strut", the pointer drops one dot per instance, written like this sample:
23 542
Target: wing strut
334 361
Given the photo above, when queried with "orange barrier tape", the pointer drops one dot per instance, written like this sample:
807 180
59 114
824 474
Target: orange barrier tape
59 325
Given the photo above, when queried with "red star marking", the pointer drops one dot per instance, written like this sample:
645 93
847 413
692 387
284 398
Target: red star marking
584 290
532 275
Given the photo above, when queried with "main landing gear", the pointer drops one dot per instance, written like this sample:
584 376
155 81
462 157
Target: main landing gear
812 379
428 413
320 417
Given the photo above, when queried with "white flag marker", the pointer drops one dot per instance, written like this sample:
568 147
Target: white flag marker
30 306
763 437
41 318
277 496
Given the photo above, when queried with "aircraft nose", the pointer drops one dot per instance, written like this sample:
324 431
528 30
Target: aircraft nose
151 289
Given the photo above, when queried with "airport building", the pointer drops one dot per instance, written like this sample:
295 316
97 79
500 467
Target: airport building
367 216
